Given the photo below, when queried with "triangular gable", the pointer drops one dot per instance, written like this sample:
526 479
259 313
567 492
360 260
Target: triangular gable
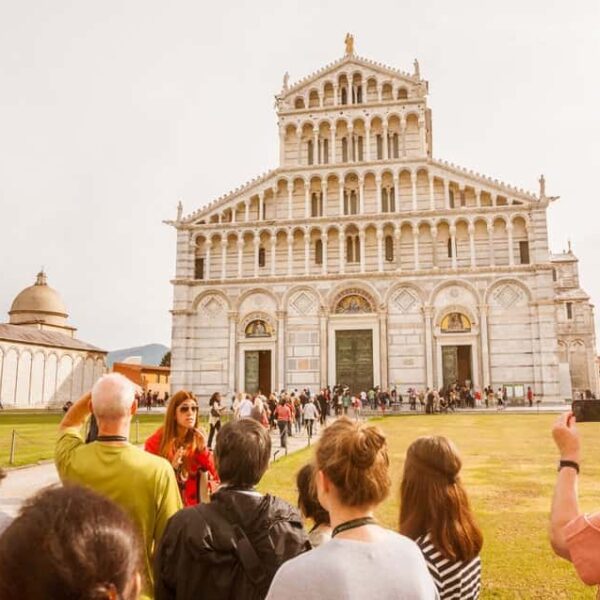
350 59
252 186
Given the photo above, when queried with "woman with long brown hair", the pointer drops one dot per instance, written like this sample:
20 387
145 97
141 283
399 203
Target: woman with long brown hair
183 444
435 512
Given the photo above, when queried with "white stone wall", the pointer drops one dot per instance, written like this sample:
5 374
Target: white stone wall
38 376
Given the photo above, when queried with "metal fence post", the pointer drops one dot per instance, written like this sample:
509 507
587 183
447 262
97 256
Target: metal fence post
13 447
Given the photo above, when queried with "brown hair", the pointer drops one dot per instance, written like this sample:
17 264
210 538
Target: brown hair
308 502
242 452
69 542
354 458
433 499
169 436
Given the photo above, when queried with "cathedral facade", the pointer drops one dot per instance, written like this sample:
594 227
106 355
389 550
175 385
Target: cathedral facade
363 260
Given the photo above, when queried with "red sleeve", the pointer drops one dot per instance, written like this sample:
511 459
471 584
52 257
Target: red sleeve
205 460
152 444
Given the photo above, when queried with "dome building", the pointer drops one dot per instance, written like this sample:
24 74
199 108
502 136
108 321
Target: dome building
42 364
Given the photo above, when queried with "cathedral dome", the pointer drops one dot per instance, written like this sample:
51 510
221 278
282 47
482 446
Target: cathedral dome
38 303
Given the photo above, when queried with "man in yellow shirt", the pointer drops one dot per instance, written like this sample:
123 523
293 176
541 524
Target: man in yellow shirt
143 484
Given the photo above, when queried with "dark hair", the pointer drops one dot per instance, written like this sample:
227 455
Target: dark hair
242 452
69 542
214 398
354 458
433 499
308 502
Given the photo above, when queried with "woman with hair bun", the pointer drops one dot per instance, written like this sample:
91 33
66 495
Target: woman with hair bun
352 479
69 542
435 512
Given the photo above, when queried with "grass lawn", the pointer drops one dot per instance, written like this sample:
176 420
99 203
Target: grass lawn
509 471
36 434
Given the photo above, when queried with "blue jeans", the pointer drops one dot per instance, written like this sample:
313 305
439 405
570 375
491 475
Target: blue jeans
283 432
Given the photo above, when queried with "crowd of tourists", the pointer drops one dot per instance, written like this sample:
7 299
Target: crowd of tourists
175 521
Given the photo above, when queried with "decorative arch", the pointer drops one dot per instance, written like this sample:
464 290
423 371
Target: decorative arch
495 290
203 299
303 300
258 324
258 292
444 316
454 282
353 300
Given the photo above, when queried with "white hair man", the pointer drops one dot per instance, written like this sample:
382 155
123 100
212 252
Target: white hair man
143 484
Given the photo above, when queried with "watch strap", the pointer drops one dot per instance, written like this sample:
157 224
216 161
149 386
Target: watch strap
568 463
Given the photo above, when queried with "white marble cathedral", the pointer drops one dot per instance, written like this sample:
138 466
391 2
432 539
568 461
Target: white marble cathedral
363 260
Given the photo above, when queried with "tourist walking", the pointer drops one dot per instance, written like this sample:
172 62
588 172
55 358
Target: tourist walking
435 512
214 417
181 442
310 414
352 479
283 414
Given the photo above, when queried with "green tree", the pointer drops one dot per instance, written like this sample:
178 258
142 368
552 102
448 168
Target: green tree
165 361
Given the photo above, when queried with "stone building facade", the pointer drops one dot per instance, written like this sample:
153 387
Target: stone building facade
42 364
363 260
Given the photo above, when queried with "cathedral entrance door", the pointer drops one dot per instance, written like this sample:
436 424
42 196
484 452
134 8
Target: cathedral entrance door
257 371
354 359
457 365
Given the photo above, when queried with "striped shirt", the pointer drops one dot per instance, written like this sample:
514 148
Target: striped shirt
454 580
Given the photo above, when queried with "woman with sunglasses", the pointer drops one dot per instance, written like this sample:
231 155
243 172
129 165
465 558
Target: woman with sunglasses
181 442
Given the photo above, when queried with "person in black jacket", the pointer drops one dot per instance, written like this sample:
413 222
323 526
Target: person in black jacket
232 546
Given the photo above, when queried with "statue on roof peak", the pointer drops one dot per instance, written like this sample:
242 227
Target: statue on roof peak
349 41
286 81
542 181
417 69
179 210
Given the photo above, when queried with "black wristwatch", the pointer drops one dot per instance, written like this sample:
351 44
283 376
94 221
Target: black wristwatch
568 463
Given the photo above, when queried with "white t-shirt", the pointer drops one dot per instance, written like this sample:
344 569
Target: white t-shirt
355 570
245 409
310 411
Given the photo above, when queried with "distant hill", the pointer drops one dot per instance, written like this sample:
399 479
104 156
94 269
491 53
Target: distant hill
151 354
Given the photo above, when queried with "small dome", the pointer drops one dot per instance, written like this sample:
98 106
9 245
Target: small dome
38 303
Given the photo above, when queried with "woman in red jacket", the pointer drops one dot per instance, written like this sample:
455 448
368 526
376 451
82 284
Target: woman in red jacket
181 442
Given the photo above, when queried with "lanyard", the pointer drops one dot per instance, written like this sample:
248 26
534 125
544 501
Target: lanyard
353 524
111 438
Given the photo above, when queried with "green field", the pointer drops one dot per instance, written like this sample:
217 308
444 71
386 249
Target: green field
36 434
509 470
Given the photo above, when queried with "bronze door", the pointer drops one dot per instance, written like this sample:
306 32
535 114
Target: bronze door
456 365
257 374
354 359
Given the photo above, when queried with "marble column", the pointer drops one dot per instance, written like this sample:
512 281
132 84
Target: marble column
323 347
413 180
368 140
446 194
434 244
379 249
341 184
427 315
324 242
208 244
511 250
261 206
398 249
290 199
397 192
431 192
485 349
247 210
403 135
342 249
315 146
416 247
378 192
307 200
290 253
256 253
223 258
240 259
383 348
282 147
273 253
453 246
478 197
472 245
361 196
281 317
306 253
490 230
233 320
332 145
363 254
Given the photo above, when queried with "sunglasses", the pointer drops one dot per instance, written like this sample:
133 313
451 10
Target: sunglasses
184 408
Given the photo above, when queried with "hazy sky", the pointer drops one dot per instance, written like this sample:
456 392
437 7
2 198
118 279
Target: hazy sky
112 111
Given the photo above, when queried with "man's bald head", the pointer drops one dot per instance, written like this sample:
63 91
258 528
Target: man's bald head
112 397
